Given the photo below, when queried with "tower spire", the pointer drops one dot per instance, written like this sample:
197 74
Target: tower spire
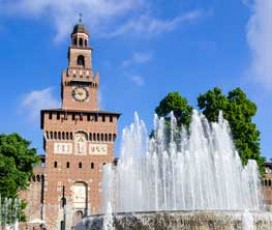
80 17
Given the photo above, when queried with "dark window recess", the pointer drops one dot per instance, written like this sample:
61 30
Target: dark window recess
55 164
92 165
111 119
103 118
80 165
73 117
68 164
58 116
96 118
50 116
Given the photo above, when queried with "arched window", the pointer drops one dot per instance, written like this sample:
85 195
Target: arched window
94 137
55 164
59 135
67 136
92 165
55 135
90 136
51 135
63 135
80 165
71 136
38 178
269 183
106 137
80 42
67 164
98 137
74 41
81 60
110 137
86 44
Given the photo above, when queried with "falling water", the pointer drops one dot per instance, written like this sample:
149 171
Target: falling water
180 170
9 213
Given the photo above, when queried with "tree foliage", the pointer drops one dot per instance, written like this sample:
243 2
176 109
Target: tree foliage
16 164
239 111
179 105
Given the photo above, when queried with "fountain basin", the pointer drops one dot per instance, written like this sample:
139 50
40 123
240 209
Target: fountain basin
183 220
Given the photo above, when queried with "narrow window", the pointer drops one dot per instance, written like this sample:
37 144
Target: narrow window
92 165
106 137
80 42
80 165
111 119
58 116
90 137
67 164
50 116
55 164
98 137
103 119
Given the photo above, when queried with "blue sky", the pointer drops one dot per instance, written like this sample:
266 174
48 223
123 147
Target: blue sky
143 49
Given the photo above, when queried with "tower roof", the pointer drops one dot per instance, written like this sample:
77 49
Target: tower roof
80 28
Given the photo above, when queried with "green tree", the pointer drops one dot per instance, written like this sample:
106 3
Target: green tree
179 105
16 164
239 111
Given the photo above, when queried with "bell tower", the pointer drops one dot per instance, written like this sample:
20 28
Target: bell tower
79 84
78 140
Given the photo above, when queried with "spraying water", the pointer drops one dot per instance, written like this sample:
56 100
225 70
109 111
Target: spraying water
180 170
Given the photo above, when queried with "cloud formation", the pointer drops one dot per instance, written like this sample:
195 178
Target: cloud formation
33 102
259 36
149 26
137 58
138 80
107 18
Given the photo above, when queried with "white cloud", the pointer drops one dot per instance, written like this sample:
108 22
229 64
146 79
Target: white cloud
138 80
137 58
64 13
108 18
149 26
259 36
33 102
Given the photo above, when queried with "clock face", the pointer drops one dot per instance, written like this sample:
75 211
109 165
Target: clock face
80 94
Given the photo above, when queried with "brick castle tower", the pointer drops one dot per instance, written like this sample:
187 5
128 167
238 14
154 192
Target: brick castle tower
78 141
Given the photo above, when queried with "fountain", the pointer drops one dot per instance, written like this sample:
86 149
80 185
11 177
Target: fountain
9 213
181 180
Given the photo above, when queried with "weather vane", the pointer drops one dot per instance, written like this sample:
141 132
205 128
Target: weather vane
80 17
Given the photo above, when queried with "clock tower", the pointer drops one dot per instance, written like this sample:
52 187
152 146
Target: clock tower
78 140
